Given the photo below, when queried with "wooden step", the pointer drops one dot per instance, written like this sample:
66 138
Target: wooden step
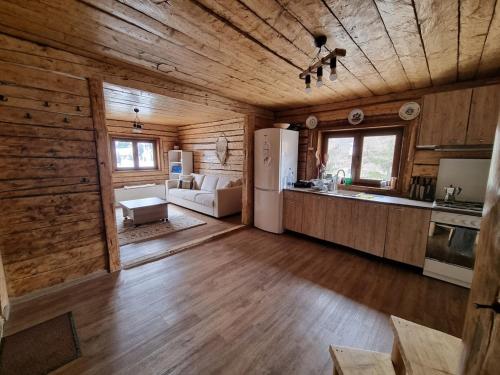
421 350
350 361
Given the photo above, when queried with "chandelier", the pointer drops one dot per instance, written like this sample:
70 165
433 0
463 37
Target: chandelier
137 125
317 63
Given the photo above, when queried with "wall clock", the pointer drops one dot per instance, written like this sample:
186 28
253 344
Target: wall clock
311 122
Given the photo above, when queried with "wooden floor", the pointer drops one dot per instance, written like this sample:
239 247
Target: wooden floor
251 302
129 253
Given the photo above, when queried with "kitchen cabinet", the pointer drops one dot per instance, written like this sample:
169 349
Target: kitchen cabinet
292 210
407 231
370 223
339 221
483 116
392 231
444 118
313 215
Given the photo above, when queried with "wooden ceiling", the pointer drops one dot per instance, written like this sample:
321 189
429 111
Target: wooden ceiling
253 50
158 109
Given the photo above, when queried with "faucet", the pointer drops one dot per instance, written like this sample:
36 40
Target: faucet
336 179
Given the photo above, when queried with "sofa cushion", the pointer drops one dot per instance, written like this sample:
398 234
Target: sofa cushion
205 199
209 183
183 193
224 182
198 180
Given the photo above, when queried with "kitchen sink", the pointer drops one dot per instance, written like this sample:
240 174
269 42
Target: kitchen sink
343 193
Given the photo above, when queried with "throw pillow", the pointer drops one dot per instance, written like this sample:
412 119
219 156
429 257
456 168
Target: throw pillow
198 180
223 183
185 182
209 183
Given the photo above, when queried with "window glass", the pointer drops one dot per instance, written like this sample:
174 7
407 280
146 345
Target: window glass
377 157
146 154
340 155
124 154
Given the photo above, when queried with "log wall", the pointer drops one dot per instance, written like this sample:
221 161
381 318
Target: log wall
51 227
200 138
165 136
420 162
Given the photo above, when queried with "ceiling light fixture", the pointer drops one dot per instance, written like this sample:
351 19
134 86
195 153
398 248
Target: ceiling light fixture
137 125
318 62
308 84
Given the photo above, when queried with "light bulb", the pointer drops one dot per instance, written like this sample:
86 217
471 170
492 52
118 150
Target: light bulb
333 69
308 84
319 74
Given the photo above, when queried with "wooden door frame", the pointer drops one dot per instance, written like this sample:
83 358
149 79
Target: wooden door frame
104 162
248 151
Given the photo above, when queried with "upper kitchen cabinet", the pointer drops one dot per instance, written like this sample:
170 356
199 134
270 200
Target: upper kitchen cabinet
483 116
444 118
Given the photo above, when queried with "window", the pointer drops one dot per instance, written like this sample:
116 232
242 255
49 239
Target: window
367 156
134 154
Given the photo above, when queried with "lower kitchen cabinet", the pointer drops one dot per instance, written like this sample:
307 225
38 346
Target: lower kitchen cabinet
386 230
370 223
339 221
407 231
313 216
293 204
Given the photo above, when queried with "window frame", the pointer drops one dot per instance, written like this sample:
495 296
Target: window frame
358 135
135 151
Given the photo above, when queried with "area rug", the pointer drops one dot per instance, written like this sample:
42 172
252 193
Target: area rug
127 233
40 349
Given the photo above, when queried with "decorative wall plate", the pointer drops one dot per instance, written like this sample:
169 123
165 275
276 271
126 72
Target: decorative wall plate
311 122
409 111
355 116
221 149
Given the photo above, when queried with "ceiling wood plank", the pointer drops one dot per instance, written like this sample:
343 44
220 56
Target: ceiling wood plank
130 39
214 31
475 19
251 51
23 52
289 28
242 65
316 17
490 58
157 109
248 20
401 25
362 21
438 20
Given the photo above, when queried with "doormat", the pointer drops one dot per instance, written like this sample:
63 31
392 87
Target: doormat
40 349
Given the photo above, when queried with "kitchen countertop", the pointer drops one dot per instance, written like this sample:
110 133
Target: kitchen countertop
367 197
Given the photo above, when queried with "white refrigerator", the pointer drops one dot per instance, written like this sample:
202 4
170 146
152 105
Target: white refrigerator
276 157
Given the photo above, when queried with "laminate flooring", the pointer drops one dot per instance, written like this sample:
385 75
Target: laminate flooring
248 303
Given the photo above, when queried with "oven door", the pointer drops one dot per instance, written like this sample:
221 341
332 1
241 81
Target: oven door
452 244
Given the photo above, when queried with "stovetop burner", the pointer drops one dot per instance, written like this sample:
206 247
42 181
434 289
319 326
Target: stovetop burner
475 208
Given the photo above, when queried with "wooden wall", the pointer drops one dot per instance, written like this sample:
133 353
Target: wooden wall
421 162
51 227
200 138
166 137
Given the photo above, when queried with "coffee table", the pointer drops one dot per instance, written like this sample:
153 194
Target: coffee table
146 210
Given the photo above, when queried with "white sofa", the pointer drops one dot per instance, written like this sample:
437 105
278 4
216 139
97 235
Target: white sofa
216 196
